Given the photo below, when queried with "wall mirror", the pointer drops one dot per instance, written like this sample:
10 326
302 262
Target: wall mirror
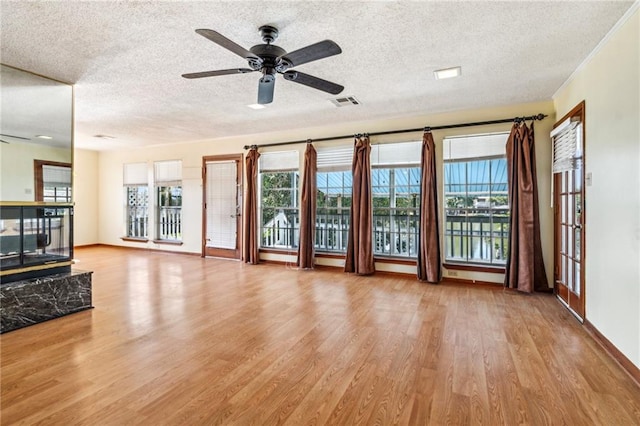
36 137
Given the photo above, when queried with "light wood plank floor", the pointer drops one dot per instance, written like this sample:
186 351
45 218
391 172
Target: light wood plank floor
183 340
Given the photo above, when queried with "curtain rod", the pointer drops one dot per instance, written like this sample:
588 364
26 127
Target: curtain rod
421 129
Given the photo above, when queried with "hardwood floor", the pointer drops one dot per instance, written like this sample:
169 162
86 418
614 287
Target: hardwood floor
183 340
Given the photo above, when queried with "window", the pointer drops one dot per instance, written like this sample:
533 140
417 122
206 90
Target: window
168 181
333 203
53 181
279 214
136 192
476 199
395 177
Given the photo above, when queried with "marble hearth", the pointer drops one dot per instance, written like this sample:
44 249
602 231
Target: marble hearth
35 300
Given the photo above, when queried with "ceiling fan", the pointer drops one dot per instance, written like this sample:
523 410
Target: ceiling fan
270 59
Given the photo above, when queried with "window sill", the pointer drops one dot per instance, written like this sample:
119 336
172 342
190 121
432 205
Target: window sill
330 255
279 250
396 260
475 268
135 240
168 242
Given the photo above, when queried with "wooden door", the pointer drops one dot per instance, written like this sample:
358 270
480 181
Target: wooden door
222 206
569 227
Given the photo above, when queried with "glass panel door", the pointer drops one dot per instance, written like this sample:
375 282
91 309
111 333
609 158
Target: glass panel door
569 238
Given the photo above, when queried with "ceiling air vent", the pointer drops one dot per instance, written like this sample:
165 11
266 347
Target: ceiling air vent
345 101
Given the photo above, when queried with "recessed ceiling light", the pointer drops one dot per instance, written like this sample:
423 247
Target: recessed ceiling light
43 137
447 73
256 106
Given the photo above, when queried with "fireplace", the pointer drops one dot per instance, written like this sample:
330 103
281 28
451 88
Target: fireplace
35 240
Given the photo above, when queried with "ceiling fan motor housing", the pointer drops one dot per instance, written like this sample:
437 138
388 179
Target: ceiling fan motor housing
270 55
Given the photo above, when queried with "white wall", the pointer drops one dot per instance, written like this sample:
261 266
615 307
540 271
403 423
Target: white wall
111 200
85 197
609 85
16 159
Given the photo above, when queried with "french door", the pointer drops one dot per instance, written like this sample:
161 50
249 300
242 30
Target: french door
222 206
569 224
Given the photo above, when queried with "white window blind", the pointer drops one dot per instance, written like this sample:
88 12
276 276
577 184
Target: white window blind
279 161
567 145
396 154
59 176
475 146
222 204
336 158
135 174
168 173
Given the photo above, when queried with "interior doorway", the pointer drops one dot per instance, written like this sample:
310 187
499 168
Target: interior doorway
222 206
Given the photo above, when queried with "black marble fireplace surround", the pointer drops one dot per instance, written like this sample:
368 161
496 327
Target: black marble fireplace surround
30 301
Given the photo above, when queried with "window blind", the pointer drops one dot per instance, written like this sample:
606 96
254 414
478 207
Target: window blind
135 174
567 145
474 146
168 173
59 176
396 154
335 158
279 161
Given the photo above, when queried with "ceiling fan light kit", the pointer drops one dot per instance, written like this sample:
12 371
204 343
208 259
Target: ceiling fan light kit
271 60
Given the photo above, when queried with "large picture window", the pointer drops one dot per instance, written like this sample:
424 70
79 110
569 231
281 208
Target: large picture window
333 203
136 192
168 189
280 223
476 199
395 177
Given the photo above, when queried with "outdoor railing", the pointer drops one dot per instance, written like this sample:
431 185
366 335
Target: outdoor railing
473 236
137 222
170 223
477 236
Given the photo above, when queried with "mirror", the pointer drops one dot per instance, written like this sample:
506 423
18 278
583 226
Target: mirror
36 124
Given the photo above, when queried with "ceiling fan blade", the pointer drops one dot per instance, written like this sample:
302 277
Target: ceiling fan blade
322 49
315 82
265 89
3 141
218 72
14 137
218 38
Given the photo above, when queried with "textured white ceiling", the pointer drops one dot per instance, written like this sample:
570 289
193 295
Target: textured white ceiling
126 59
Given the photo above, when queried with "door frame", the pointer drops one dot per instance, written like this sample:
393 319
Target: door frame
563 293
239 159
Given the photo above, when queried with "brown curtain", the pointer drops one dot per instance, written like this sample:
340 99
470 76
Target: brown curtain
429 267
308 209
251 254
525 266
359 257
